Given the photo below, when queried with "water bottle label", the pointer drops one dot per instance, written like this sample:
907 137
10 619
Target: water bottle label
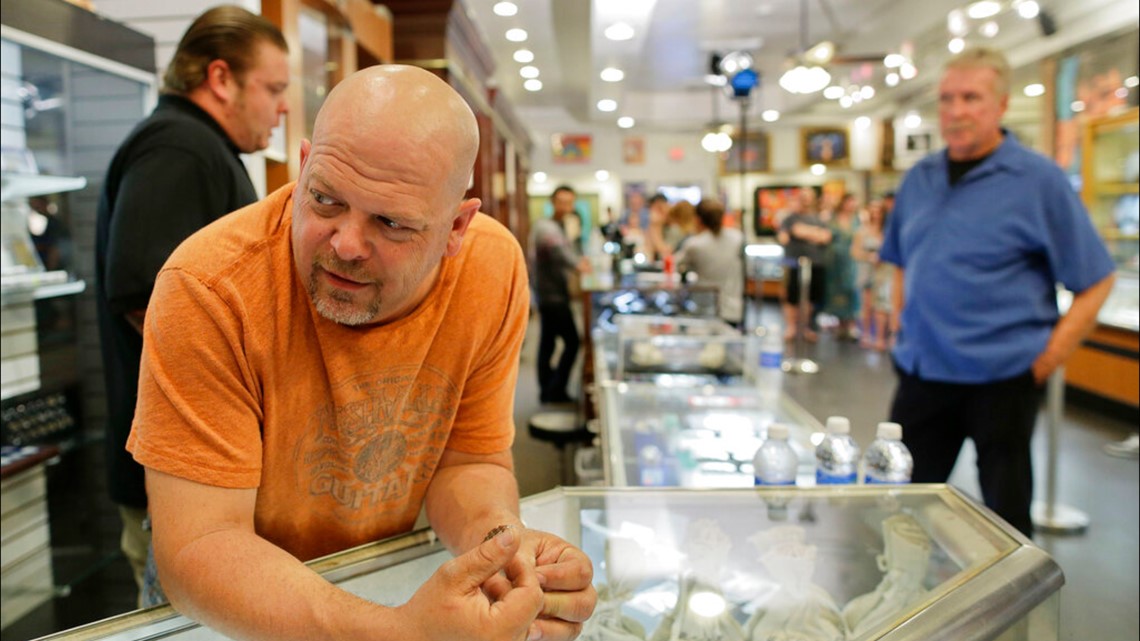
653 477
823 478
760 482
771 359
873 481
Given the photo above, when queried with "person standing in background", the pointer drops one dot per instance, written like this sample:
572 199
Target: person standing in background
981 233
842 290
716 255
553 262
655 247
803 235
177 171
680 224
874 278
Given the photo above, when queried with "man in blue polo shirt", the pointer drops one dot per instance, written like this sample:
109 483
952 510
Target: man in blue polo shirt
981 233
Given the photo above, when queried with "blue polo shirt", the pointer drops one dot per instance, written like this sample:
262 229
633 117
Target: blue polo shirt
982 260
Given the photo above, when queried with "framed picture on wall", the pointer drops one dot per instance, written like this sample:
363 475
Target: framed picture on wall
571 148
824 145
754 153
633 150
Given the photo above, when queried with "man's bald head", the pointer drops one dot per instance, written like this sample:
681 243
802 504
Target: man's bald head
402 109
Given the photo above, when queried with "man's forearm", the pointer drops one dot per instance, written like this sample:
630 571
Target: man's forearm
1077 322
247 588
465 501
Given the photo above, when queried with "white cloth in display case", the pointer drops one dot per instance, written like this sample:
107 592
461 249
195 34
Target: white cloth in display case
702 612
799 610
904 560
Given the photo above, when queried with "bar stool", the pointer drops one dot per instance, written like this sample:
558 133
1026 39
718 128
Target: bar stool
564 430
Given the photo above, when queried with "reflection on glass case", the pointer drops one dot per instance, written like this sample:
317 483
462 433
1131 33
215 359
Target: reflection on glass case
607 306
915 563
666 433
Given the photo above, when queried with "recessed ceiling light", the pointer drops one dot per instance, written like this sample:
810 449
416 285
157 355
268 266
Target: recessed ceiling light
1132 81
893 60
612 74
818 169
516 35
866 92
1034 90
846 102
862 122
983 9
619 31
908 71
625 122
505 8
524 56
539 176
989 29
602 175
834 92
605 104
534 84
956 45
892 79
529 71
1027 9
912 120
770 115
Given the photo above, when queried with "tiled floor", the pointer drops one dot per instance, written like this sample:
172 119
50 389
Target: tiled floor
1098 603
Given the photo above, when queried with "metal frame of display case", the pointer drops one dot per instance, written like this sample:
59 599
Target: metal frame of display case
993 583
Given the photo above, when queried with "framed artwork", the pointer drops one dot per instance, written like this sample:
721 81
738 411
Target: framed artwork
633 150
571 148
754 151
768 205
824 145
918 142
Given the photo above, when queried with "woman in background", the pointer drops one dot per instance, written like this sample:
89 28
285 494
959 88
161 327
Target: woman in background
841 292
874 277
716 255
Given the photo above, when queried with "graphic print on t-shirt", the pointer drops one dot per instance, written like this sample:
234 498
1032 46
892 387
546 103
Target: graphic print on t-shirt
364 453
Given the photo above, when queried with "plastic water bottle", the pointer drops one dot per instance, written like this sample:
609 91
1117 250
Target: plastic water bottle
775 462
770 374
837 455
651 464
887 460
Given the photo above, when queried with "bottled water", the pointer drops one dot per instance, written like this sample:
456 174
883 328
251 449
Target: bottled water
837 455
770 373
887 460
775 462
651 464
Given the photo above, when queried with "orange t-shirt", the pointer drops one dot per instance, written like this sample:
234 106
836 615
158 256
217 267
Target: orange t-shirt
340 429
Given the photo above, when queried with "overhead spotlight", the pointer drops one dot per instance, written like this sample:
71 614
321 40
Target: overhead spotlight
834 92
524 56
602 175
529 71
534 84
606 104
983 9
505 9
770 115
619 31
612 74
892 79
956 45
1034 90
912 120
1027 9
516 35
539 176
989 28
908 71
862 122
956 23
734 62
625 122
821 53
818 169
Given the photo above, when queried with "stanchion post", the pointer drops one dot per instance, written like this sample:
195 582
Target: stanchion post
1049 515
797 364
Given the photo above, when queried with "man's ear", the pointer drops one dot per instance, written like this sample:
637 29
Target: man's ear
467 210
220 81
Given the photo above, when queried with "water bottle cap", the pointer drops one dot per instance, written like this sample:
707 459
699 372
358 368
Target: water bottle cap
778 431
838 425
889 431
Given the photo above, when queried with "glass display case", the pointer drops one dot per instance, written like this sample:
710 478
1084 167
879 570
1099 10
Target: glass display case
671 432
920 562
1111 183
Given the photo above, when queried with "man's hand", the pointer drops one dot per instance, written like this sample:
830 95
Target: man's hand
566 576
452 605
1044 366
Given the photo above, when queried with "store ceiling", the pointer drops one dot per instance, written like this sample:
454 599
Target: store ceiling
666 61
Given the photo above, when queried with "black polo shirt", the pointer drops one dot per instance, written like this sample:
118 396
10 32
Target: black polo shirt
175 173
